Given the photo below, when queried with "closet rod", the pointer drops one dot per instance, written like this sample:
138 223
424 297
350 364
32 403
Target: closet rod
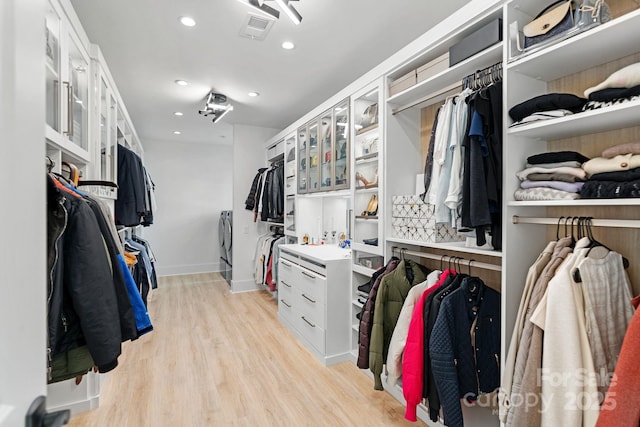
453 87
464 261
622 223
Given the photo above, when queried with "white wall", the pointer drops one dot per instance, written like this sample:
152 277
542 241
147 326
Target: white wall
194 182
249 155
23 262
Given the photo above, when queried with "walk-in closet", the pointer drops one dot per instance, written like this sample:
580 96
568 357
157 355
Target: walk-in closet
275 213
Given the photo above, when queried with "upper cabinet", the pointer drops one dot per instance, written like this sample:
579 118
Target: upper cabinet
67 86
323 151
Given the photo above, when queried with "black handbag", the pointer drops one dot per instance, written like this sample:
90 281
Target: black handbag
554 20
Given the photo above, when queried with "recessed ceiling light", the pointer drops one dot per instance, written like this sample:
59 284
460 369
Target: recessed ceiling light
176 132
181 83
177 113
288 45
254 94
187 21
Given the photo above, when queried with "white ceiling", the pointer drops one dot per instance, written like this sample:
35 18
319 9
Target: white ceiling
147 49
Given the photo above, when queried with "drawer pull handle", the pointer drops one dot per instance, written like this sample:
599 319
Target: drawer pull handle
308 299
311 276
286 284
286 264
285 303
308 323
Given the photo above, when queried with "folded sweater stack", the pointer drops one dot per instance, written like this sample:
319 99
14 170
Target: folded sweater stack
614 175
552 176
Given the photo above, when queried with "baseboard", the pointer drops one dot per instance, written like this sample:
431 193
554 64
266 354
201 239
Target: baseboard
179 270
244 286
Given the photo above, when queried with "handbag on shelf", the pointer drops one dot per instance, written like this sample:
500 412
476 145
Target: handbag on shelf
369 116
554 20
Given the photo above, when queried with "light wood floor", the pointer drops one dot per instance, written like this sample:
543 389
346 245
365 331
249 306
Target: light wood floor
222 359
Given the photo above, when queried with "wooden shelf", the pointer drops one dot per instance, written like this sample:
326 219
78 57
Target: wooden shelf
361 269
367 129
448 77
588 122
599 45
576 203
448 246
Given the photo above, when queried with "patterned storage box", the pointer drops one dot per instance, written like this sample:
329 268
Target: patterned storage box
413 219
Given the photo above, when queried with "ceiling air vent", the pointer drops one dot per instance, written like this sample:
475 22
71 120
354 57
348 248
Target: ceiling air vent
256 27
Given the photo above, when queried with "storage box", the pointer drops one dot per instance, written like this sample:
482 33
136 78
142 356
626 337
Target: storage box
413 219
434 67
476 42
403 83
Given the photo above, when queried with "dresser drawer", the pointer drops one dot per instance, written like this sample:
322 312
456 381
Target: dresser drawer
311 331
285 307
311 307
287 271
311 284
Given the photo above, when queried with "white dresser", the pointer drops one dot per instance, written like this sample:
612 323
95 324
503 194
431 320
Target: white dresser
314 296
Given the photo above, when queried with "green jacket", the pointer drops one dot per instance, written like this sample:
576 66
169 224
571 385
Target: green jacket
393 290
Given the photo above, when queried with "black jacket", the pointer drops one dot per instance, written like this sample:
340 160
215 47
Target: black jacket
250 203
130 205
82 300
465 364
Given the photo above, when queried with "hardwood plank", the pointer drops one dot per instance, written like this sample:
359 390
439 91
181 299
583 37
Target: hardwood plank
222 359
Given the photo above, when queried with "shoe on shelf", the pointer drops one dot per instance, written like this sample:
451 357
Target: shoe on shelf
365 287
372 209
373 183
372 241
362 179
370 206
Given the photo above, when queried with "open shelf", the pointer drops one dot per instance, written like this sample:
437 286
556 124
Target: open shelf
448 77
361 269
371 157
367 129
577 203
599 45
448 246
588 122
361 247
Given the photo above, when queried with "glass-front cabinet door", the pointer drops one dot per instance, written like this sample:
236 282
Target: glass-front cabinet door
113 139
326 151
52 67
313 157
341 145
77 86
105 98
302 160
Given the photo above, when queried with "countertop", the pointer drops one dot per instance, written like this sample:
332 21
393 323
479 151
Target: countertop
318 253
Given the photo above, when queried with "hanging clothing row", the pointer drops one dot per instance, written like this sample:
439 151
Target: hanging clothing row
93 303
575 309
143 269
136 200
266 258
266 196
462 174
438 331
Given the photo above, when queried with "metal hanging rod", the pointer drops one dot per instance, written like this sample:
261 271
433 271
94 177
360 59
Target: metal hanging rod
477 264
621 223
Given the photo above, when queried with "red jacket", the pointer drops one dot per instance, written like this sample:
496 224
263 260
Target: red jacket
413 357
620 406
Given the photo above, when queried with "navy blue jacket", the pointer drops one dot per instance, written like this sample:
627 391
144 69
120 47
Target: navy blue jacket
466 364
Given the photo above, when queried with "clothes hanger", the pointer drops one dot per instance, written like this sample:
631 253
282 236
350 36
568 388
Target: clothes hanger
558 228
595 244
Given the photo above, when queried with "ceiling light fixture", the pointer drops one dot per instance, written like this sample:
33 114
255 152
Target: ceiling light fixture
291 12
260 6
253 94
178 113
187 21
284 5
181 83
216 105
176 132
288 45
